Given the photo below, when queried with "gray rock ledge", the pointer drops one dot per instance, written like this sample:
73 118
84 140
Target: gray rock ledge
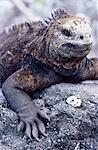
69 127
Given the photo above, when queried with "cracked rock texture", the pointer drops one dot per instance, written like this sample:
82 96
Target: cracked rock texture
69 128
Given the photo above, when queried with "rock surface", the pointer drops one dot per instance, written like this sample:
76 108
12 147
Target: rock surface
70 128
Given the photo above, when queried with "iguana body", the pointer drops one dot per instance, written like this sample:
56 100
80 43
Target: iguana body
34 56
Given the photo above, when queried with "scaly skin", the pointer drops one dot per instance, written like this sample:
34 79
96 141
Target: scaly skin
34 56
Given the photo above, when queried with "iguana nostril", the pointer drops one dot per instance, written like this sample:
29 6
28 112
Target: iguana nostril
81 37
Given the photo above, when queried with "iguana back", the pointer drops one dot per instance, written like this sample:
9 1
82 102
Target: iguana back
15 42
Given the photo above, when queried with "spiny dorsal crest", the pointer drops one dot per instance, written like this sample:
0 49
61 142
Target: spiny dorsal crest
59 13
16 28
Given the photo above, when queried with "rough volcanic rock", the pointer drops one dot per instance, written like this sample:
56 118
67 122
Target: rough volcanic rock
69 128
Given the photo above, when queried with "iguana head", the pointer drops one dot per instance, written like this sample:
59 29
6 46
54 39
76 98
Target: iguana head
68 36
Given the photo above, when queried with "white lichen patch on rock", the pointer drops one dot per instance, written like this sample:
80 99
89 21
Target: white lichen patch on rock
74 101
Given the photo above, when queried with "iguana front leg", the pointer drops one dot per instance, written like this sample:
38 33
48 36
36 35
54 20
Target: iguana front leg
89 70
15 90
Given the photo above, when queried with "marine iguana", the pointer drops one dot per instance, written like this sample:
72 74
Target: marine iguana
35 55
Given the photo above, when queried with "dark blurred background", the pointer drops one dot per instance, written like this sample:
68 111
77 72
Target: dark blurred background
16 11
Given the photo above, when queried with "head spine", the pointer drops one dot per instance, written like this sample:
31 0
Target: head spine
58 13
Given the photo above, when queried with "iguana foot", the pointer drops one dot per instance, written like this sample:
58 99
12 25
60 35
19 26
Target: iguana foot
31 123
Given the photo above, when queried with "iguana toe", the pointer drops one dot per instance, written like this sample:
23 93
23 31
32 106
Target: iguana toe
41 127
28 130
43 113
35 131
21 126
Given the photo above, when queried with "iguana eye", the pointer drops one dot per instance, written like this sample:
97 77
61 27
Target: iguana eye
66 33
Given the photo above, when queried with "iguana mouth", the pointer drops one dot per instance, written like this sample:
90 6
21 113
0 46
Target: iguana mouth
76 46
69 50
